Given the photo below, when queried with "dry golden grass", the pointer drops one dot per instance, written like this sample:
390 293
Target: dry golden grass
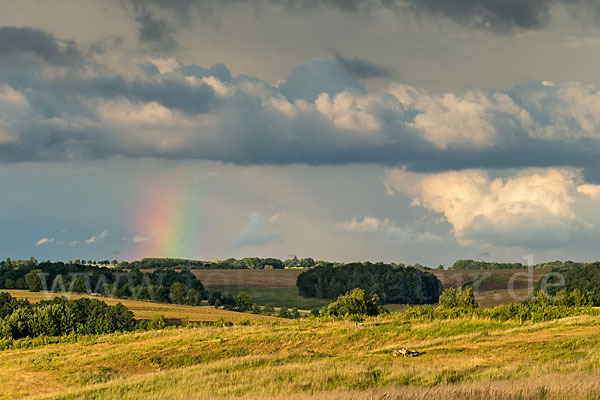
462 359
551 387
146 309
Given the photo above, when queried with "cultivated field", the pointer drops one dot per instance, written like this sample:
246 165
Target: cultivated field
146 309
462 359
275 278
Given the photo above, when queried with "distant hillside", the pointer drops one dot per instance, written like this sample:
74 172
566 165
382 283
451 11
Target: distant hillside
478 265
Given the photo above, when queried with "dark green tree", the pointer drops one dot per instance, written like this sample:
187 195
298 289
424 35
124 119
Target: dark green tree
243 302
34 280
79 285
178 293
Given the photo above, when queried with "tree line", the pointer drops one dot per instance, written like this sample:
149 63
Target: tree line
165 286
58 317
584 279
230 263
391 283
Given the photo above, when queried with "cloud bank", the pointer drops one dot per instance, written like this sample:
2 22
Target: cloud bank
544 208
319 114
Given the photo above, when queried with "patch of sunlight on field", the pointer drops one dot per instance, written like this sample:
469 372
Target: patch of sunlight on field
146 309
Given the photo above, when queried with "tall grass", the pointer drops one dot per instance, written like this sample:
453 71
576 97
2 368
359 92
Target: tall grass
462 358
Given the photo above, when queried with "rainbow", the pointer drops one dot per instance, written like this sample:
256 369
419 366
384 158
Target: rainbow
169 221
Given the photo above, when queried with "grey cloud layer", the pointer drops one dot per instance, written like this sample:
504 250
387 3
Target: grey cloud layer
159 19
495 15
318 115
34 42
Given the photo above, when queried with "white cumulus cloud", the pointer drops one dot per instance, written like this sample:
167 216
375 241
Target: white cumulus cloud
143 239
543 206
97 238
43 241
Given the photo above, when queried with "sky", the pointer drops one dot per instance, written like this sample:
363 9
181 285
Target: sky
414 131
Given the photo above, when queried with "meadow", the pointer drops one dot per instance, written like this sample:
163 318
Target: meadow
309 359
261 356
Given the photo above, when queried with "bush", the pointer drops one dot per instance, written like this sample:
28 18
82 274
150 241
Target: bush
458 298
357 302
295 314
243 302
268 309
157 322
284 312
255 309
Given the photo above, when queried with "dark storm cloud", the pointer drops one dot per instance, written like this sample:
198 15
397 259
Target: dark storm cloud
499 16
361 69
32 41
156 32
172 93
495 15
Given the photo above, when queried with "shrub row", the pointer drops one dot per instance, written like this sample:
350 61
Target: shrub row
58 317
541 307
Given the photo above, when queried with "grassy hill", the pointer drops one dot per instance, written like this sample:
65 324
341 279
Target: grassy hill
305 359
